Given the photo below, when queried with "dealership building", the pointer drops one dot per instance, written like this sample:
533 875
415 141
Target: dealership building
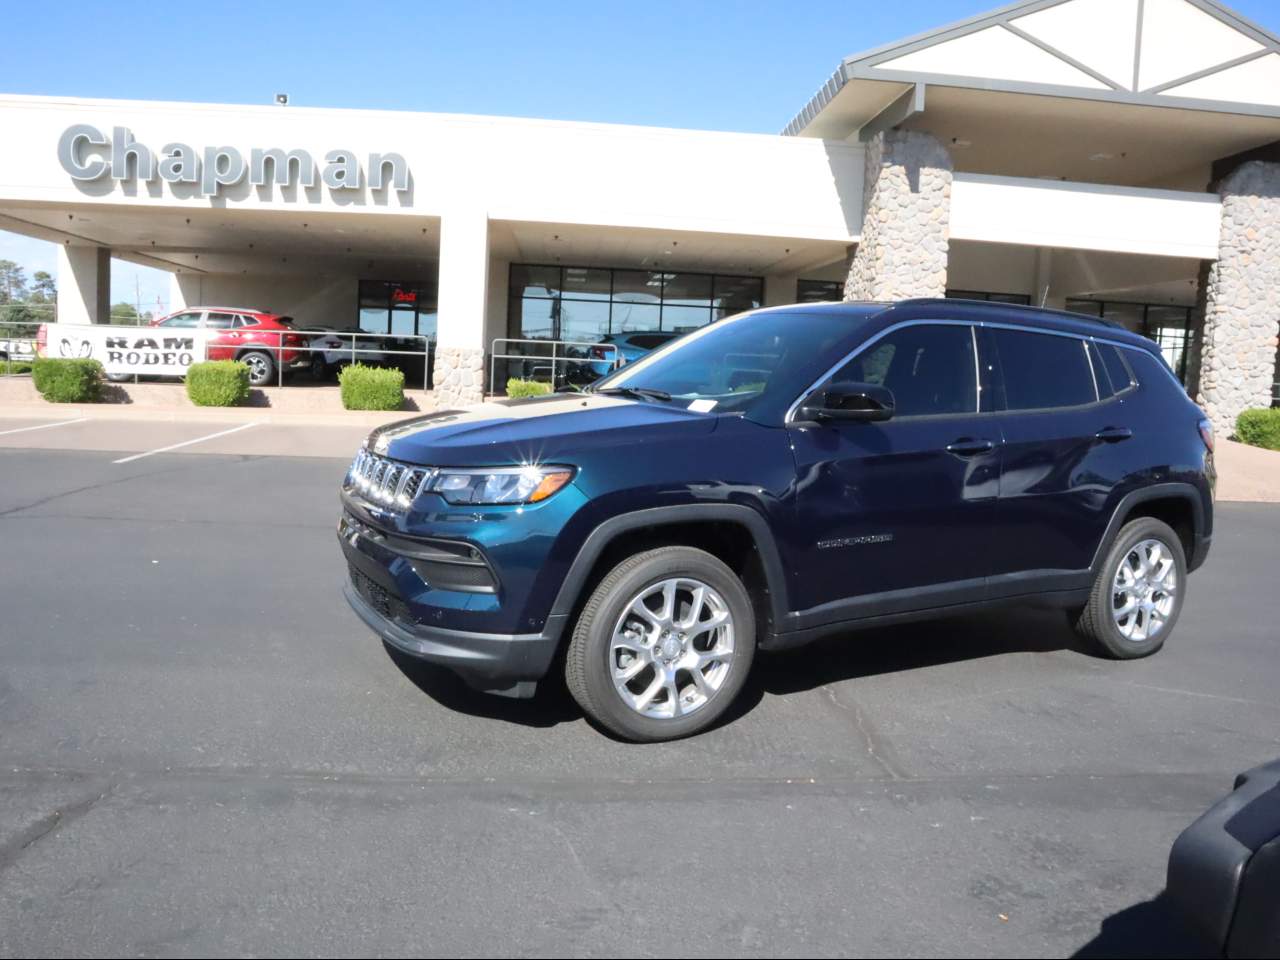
1113 157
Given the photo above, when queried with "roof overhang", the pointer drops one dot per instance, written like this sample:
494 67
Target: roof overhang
1193 55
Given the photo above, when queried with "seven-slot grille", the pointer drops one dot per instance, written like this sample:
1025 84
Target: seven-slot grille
385 481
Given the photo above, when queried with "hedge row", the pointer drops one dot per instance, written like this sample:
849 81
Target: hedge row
371 388
526 388
218 383
1259 428
67 381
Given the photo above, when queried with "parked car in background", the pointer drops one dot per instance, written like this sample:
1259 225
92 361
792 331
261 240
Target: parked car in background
630 346
775 477
264 341
334 348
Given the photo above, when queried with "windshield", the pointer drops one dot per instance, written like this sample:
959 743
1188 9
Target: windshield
735 364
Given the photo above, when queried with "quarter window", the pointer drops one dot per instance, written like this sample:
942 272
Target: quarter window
928 368
183 320
1042 371
1116 367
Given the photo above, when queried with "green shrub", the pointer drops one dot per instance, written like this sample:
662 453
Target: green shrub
9 367
371 388
1259 428
67 380
218 383
527 388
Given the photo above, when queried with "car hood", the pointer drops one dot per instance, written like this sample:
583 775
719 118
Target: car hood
534 430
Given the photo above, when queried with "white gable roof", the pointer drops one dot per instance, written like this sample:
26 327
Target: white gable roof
1185 53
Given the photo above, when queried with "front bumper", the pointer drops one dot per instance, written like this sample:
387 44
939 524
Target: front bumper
509 664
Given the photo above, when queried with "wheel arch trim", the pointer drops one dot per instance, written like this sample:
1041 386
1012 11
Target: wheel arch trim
1160 491
608 531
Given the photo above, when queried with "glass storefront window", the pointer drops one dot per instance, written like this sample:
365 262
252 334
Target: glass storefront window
533 281
683 319
819 291
686 289
1166 324
583 283
588 303
736 295
637 286
1021 299
584 319
532 318
632 317
404 308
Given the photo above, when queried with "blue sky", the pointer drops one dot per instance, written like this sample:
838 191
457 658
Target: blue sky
745 65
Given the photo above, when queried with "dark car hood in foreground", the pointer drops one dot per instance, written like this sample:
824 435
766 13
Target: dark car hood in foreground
538 430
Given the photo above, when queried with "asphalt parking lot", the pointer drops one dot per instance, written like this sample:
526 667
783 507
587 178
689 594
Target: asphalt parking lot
204 752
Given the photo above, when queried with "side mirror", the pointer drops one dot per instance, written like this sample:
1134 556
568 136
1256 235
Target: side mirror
847 400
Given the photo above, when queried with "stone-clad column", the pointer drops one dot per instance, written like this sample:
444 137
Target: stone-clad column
1242 299
907 223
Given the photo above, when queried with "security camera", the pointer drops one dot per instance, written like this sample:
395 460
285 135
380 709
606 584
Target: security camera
282 99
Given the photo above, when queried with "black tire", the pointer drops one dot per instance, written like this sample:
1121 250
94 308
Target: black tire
319 369
1097 622
588 671
262 369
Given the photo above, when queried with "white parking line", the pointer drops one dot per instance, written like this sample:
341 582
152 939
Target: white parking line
185 443
43 426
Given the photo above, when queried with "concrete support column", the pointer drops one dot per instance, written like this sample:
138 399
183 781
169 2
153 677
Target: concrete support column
907 223
780 288
464 290
84 284
1242 298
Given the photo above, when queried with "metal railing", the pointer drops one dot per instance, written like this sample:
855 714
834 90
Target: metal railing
19 340
549 361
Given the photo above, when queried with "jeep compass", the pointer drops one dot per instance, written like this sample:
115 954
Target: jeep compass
775 477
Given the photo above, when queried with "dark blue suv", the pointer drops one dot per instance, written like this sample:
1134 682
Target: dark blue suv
774 477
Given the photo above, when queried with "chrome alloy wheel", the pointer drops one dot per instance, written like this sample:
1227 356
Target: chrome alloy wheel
1145 591
671 648
259 368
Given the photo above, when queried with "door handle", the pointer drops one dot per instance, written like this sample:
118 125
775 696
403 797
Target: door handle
1113 434
969 447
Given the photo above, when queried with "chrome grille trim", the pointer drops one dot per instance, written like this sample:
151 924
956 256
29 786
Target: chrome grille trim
384 481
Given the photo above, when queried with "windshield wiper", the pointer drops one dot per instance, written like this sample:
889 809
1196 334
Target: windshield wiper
644 393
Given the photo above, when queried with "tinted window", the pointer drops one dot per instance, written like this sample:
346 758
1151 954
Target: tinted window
219 321
929 369
182 320
1117 369
1042 371
742 359
647 341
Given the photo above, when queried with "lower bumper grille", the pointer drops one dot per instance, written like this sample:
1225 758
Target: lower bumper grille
378 597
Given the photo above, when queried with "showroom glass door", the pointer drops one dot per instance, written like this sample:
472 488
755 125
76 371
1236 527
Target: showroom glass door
406 311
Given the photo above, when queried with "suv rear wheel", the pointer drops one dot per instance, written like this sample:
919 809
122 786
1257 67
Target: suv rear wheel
663 645
261 367
1138 593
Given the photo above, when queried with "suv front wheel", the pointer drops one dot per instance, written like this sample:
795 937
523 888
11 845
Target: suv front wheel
1138 593
663 645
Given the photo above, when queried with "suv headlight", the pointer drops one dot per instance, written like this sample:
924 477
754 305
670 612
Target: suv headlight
494 485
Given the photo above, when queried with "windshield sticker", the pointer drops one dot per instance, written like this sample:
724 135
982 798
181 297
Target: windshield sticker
702 406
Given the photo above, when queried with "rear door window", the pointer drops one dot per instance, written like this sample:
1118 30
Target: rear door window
1042 371
219 321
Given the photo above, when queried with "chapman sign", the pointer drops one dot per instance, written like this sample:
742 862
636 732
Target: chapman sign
88 154
128 350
